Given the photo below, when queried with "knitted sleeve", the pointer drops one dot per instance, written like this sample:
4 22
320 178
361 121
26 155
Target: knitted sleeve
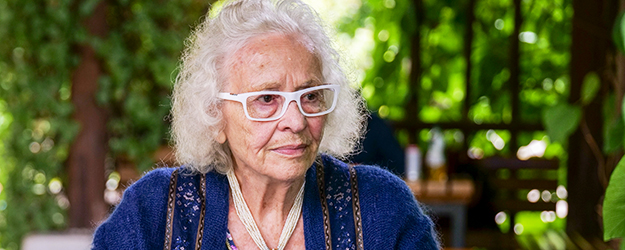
391 216
138 222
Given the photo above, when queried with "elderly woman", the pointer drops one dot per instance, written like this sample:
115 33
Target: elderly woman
261 109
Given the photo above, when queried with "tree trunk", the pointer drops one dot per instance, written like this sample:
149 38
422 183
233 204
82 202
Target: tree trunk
87 154
590 48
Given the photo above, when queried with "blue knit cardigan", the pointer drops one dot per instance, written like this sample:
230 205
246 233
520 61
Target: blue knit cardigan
391 217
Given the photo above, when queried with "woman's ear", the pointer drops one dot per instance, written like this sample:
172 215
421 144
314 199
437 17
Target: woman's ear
221 137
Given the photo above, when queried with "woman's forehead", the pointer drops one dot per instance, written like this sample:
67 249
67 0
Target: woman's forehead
272 47
278 86
270 61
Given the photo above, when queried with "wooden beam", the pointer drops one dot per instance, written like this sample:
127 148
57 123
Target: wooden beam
517 205
467 126
497 162
467 52
412 106
515 71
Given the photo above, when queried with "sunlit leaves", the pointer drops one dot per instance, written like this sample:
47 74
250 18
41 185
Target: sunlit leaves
613 125
490 75
37 57
36 62
140 54
614 204
544 63
590 87
561 120
442 87
443 67
388 24
613 135
482 111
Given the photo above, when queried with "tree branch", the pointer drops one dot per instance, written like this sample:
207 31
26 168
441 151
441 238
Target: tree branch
590 140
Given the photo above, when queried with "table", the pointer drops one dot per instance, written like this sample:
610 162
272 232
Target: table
447 198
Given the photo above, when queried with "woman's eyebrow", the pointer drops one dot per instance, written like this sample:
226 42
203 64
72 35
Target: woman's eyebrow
308 84
275 86
272 86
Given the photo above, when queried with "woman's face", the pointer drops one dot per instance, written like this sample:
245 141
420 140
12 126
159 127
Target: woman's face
282 149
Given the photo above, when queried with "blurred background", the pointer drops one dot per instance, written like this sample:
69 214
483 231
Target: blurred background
509 110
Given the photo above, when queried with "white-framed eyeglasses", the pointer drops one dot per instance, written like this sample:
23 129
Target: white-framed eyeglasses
271 105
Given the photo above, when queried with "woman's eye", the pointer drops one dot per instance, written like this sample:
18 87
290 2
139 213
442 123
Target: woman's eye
266 98
312 96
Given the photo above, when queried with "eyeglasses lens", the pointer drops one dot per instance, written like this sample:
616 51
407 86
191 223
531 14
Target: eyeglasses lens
270 106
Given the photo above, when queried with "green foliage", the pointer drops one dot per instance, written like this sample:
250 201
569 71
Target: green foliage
391 23
613 126
37 59
618 32
613 136
561 120
545 43
590 87
443 66
614 131
614 204
536 231
36 128
490 75
442 87
140 55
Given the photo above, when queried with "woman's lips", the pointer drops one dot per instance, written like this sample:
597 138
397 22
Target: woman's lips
291 150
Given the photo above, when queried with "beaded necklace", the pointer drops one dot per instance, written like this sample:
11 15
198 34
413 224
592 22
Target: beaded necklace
248 220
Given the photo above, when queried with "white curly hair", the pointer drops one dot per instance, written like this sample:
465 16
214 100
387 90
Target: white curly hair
196 113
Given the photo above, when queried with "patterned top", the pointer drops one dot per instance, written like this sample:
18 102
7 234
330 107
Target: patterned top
391 218
339 198
187 208
230 241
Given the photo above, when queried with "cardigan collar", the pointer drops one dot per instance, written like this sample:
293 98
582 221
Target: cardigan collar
217 201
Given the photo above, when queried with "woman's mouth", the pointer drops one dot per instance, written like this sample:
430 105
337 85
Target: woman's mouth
293 150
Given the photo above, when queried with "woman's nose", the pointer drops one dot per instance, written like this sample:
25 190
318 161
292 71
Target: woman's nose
293 119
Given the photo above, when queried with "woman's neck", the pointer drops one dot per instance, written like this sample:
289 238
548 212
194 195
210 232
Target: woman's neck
268 200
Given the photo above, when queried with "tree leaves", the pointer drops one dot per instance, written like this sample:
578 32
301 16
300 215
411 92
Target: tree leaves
614 205
614 201
618 32
37 58
590 87
613 136
36 64
561 120
139 55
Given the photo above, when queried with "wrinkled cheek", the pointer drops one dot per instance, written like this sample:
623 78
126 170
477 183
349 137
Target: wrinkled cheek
317 128
258 138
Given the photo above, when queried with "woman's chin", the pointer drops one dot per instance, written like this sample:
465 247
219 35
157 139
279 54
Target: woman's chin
291 168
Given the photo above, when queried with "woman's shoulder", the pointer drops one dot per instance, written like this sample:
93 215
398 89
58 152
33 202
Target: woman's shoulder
389 208
150 189
136 221
376 177
158 179
153 183
154 176
371 178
